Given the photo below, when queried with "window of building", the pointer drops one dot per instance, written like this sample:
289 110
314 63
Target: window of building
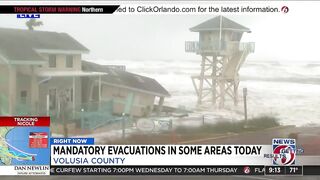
236 36
70 95
23 97
52 99
52 61
95 93
119 93
69 61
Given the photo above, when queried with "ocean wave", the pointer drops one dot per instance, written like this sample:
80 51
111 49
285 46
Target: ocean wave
313 65
300 80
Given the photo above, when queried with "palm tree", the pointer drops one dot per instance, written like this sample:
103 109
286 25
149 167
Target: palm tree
33 23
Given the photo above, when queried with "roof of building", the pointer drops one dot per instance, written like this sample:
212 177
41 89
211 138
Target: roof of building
120 78
69 73
22 45
214 25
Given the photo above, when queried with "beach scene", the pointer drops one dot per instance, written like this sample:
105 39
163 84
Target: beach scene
285 89
138 67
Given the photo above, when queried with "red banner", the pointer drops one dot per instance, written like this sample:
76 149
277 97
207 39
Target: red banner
24 121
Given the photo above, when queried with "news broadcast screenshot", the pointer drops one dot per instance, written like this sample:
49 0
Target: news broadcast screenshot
159 90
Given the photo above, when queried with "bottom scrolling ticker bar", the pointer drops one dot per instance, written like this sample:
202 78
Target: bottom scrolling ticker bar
186 170
311 170
157 170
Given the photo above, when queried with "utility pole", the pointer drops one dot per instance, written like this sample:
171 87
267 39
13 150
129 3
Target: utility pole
123 125
245 93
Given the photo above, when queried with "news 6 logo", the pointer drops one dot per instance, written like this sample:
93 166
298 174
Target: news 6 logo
284 151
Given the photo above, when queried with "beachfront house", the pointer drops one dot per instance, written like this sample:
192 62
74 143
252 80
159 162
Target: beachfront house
39 71
42 73
118 85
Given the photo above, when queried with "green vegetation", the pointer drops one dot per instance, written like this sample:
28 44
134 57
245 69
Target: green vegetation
253 124
181 134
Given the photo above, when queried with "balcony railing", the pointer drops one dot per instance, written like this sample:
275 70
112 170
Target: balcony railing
191 46
249 46
228 46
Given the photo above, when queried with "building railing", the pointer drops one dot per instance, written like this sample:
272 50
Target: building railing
230 46
249 46
191 46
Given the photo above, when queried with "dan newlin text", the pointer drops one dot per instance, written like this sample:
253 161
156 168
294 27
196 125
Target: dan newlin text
70 155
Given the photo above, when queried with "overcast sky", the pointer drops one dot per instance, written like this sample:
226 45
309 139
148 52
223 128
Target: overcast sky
293 36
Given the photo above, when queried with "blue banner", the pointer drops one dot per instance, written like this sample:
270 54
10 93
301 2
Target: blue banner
70 141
